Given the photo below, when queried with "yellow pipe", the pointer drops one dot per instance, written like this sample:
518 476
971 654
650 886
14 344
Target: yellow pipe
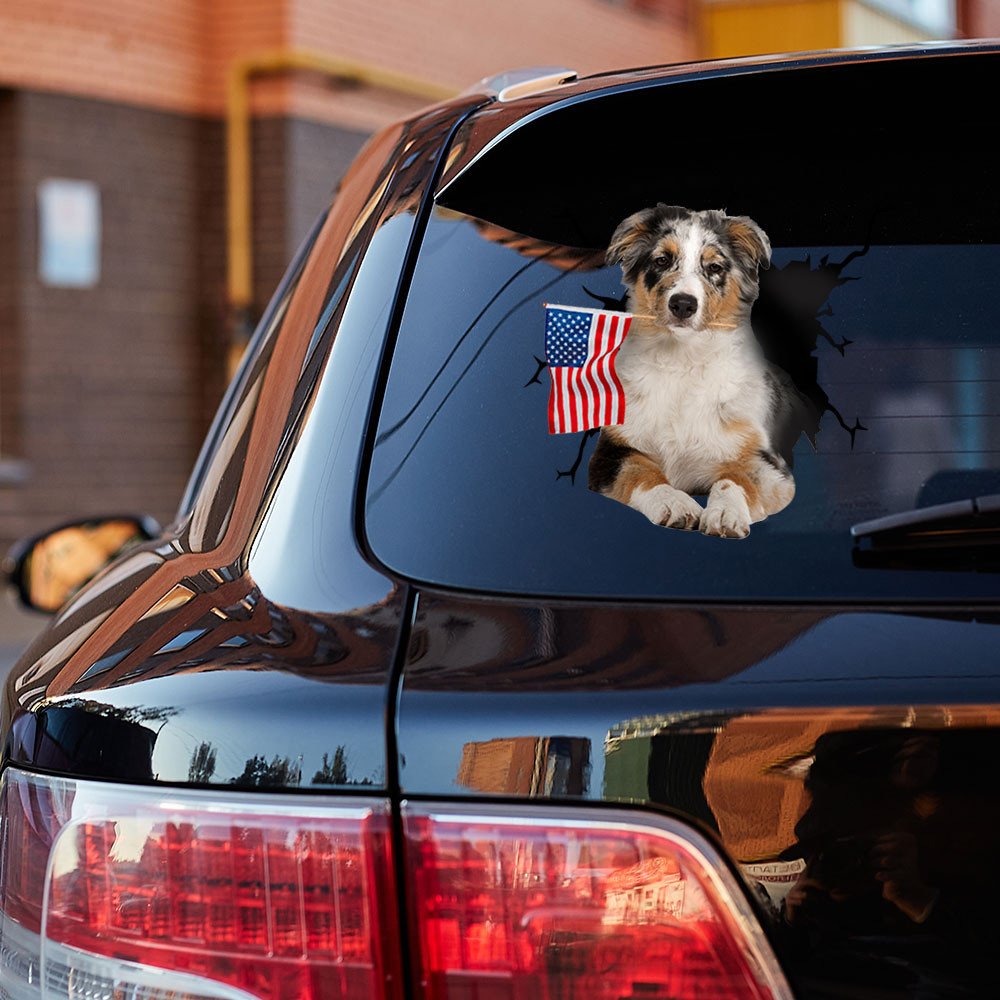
239 263
239 222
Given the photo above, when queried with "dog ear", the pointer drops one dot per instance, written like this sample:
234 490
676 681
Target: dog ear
628 240
749 240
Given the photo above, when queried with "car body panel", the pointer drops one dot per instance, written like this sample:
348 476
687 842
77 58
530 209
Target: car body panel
479 672
164 632
245 693
800 739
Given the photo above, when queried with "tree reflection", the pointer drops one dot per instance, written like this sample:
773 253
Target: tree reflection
335 772
137 715
280 772
202 766
283 772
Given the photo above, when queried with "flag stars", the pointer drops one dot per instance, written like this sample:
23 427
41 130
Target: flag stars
567 337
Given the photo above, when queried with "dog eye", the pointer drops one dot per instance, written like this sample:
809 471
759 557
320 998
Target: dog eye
663 260
715 268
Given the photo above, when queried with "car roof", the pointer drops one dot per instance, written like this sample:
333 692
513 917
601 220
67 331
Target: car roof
493 121
566 165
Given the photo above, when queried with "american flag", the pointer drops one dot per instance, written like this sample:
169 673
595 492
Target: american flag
580 347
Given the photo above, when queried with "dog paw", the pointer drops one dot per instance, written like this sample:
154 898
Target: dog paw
669 507
726 513
724 523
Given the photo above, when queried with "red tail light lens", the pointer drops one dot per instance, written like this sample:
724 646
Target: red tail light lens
113 891
236 895
556 906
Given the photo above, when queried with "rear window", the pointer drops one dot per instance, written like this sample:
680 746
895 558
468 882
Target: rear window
879 308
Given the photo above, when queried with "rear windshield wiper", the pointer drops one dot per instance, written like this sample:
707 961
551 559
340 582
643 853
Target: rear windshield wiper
962 535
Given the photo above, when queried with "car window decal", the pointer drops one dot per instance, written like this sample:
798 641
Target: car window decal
712 413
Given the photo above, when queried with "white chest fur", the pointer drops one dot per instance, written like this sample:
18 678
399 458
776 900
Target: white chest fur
690 402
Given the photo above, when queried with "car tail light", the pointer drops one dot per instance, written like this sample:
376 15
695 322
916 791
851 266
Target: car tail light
118 892
561 904
108 891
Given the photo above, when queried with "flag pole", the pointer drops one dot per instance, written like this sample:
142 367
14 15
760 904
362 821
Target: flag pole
714 326
620 312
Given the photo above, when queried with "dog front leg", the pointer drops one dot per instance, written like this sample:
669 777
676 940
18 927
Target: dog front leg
727 512
745 492
632 478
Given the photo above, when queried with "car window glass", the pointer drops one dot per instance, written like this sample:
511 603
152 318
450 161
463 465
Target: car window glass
305 555
238 397
896 345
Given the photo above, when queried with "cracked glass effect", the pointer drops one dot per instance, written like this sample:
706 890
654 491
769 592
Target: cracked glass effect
896 345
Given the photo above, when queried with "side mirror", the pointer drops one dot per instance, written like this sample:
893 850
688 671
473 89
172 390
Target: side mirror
47 569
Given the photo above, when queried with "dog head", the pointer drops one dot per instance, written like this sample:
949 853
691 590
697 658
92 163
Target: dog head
691 270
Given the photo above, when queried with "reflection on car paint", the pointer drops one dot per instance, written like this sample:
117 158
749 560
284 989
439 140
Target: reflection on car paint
848 824
127 719
245 689
527 765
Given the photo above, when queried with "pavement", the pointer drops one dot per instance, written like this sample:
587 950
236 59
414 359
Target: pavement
18 627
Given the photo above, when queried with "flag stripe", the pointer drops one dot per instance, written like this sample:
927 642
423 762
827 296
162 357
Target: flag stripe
580 346
553 396
567 402
594 386
618 393
556 402
603 361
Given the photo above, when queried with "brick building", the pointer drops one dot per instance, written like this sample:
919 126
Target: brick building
107 381
106 385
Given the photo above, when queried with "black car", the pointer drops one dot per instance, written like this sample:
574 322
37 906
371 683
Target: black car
398 706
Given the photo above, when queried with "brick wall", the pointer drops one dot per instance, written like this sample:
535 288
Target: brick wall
296 165
174 54
979 18
109 406
105 393
9 290
137 51
455 42
211 266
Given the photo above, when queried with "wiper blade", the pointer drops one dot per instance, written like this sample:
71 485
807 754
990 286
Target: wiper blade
958 519
962 535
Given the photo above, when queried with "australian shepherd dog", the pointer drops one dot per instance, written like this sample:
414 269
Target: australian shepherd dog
703 407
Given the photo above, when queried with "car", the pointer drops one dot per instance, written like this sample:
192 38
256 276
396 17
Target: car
398 707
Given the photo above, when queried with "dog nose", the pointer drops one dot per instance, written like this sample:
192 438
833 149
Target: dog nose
682 305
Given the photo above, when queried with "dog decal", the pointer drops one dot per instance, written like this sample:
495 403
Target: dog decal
705 413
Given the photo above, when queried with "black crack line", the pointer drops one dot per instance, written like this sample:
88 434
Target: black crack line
838 269
609 301
571 472
389 431
858 426
535 380
843 344
855 254
531 296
